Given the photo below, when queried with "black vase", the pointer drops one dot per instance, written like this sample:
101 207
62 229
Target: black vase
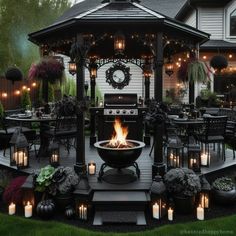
226 198
184 205
64 200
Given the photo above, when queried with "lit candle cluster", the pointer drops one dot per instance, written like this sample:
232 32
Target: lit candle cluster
83 212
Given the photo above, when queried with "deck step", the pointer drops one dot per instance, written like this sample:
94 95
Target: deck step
120 207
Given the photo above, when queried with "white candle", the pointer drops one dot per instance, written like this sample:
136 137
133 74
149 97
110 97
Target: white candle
54 158
28 210
200 213
204 201
12 209
170 214
20 158
85 213
155 211
171 159
92 168
204 159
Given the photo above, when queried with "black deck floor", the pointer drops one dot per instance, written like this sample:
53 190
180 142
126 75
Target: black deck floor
144 162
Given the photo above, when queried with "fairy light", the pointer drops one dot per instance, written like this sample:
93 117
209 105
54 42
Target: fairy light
204 57
24 87
180 59
28 89
17 92
4 95
230 56
34 84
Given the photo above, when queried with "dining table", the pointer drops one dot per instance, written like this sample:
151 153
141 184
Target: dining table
43 121
188 125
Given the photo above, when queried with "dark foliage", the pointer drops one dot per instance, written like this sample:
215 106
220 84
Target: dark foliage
14 74
219 62
13 192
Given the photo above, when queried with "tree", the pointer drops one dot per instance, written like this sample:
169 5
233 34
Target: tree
17 20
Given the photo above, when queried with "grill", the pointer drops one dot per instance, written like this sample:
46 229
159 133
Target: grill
124 106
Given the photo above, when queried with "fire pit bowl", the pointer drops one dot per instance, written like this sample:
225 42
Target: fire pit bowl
119 157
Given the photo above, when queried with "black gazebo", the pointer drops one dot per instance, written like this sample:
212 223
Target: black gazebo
88 32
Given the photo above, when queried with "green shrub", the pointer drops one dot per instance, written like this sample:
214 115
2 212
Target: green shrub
25 99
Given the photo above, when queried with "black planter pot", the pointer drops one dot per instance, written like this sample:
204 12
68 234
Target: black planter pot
184 205
63 201
224 197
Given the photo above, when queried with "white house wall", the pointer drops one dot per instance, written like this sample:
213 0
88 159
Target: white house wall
191 19
211 20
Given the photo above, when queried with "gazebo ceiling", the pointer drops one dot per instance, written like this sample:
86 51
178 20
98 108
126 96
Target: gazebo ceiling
138 23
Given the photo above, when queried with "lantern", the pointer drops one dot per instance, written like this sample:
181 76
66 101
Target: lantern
147 69
175 152
158 198
204 197
194 157
92 168
119 43
20 150
205 159
12 146
93 67
28 191
169 67
54 150
83 196
72 67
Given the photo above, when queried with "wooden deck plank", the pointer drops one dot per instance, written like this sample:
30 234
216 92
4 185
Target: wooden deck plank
145 164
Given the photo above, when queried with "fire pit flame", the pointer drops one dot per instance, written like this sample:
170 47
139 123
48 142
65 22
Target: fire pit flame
118 140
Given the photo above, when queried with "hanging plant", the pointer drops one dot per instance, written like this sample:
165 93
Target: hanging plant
219 62
48 69
198 71
13 74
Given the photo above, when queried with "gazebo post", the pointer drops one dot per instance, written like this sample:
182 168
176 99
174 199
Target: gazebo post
158 166
147 89
93 137
80 54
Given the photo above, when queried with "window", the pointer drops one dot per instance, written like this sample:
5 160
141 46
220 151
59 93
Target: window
233 23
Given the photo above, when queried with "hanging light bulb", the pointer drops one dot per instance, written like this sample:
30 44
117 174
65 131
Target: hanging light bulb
119 43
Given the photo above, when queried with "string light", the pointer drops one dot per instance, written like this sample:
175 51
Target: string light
28 89
17 92
4 95
204 57
230 56
24 87
34 84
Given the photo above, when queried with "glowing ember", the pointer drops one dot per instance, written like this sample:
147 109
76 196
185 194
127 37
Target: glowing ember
118 140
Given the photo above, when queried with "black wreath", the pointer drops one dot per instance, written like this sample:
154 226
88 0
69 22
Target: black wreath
111 70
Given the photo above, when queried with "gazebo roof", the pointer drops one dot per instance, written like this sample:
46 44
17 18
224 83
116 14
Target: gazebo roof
169 8
95 15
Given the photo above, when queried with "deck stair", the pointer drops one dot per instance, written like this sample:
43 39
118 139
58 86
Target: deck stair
120 207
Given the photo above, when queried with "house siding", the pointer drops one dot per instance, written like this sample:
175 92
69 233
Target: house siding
191 19
211 20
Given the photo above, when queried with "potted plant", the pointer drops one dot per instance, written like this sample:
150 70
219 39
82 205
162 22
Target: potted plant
62 185
223 191
25 99
182 184
46 207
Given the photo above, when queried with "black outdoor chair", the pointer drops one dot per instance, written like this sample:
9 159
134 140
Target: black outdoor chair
213 132
64 131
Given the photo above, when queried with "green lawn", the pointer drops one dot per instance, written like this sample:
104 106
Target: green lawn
17 226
